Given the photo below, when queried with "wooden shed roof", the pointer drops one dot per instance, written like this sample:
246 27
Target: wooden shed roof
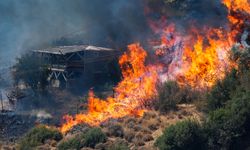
62 50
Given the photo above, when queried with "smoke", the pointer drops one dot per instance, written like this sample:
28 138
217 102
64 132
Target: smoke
188 13
29 24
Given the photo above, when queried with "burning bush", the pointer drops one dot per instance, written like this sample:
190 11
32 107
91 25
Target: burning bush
37 136
184 135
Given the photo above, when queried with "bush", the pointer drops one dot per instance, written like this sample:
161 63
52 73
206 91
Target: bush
115 130
74 143
186 135
222 91
170 94
228 125
37 136
93 137
167 98
119 146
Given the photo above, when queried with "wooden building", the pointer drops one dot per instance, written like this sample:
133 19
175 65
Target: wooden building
67 63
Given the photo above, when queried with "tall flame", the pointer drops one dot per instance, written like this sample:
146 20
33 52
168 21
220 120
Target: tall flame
197 58
137 88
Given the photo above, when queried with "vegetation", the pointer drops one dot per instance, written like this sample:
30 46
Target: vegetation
170 94
119 146
73 143
184 135
37 136
31 71
89 139
93 137
228 123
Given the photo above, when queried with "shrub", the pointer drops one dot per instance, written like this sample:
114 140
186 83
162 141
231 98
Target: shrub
228 125
184 135
115 130
37 136
119 146
73 143
129 135
222 91
167 99
93 137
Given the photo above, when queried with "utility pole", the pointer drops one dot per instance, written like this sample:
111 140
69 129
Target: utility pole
1 98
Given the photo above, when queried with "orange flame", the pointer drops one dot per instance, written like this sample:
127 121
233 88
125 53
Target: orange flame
198 59
137 88
207 60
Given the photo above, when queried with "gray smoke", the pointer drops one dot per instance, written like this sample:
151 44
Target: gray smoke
28 24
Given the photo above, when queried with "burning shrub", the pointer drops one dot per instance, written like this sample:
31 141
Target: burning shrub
37 136
184 135
93 137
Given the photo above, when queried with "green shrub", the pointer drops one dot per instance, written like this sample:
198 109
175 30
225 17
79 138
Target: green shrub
170 94
93 137
73 143
228 125
37 136
119 146
89 139
185 135
167 98
222 91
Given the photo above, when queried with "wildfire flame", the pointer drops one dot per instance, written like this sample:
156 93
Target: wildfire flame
197 58
137 88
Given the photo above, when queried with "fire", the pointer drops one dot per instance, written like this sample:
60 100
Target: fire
234 5
137 88
197 57
207 60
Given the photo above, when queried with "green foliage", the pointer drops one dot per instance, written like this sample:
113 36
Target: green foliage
228 125
73 143
32 71
167 98
93 137
89 139
170 94
222 91
185 135
37 136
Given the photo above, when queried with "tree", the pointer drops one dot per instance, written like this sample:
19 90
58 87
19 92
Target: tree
31 71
